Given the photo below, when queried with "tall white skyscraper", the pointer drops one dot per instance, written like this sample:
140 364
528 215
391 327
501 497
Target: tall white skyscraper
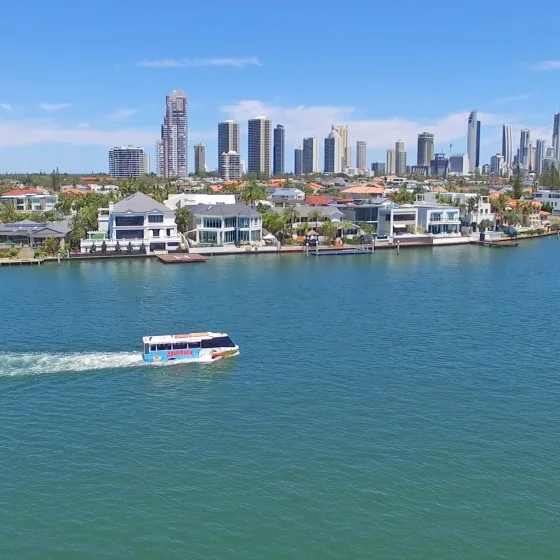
259 146
400 159
228 140
556 136
390 168
310 157
540 154
175 136
473 141
333 160
230 164
525 148
345 150
127 161
361 154
507 145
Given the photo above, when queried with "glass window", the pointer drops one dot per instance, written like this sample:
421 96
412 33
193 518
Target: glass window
153 348
215 223
164 347
229 237
243 222
194 344
256 235
218 342
155 232
180 346
208 237
155 219
230 222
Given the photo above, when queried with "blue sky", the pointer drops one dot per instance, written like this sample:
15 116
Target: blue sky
80 76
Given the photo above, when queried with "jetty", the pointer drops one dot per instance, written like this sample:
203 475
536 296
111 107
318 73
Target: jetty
341 252
501 243
181 258
21 262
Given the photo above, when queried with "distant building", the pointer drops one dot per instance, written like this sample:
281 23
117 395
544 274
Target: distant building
345 154
497 165
379 168
159 158
126 161
332 153
259 146
459 164
199 159
361 154
425 149
278 150
230 164
556 136
400 159
29 200
549 197
473 141
298 161
310 157
540 153
228 140
391 164
524 148
439 166
175 136
507 145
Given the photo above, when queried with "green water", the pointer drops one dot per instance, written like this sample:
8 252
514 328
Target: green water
384 407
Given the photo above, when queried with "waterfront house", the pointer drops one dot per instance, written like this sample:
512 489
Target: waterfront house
137 221
365 212
285 196
549 197
30 200
323 214
32 233
439 220
225 224
394 221
180 200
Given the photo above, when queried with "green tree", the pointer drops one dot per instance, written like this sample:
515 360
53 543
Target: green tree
517 190
290 215
315 217
273 222
329 230
51 246
486 224
252 193
8 214
183 219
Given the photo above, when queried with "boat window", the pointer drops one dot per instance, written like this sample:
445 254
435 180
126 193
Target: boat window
194 344
153 348
218 342
180 346
146 348
164 346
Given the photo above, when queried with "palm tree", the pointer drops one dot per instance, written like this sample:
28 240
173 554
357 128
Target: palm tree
500 205
252 193
183 219
329 230
315 216
51 245
290 215
273 222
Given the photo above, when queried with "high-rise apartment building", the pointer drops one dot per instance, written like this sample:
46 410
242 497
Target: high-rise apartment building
298 161
379 168
199 159
159 158
425 149
556 136
310 158
230 164
497 165
400 159
361 154
473 141
391 164
540 154
525 148
507 145
175 136
459 164
333 160
278 150
259 146
127 161
345 150
228 140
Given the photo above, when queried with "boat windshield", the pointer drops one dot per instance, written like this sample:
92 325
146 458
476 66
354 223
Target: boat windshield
218 342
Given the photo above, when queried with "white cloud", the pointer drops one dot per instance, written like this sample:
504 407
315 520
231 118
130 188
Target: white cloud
54 106
302 121
122 114
199 62
547 65
7 107
38 132
509 98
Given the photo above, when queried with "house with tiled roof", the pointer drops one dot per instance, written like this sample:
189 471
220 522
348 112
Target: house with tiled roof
30 200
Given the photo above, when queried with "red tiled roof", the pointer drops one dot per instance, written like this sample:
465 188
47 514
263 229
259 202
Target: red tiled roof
21 192
318 199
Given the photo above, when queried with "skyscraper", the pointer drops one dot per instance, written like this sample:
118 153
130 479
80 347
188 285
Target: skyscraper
228 140
298 161
259 146
507 145
425 149
199 159
496 165
361 154
333 161
159 158
459 164
175 136
127 161
400 159
345 151
556 136
391 165
230 164
524 148
310 158
473 141
278 150
540 154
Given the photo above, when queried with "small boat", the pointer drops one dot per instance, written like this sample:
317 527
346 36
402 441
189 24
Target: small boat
192 347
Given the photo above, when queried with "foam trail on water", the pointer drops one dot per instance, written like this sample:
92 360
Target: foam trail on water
37 363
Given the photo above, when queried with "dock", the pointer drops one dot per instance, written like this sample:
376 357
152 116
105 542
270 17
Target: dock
181 258
21 262
500 244
341 252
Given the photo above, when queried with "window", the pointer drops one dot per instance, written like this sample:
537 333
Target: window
214 223
256 235
243 235
153 348
156 219
218 342
243 222
180 346
168 232
126 221
155 232
230 222
229 237
208 237
194 344
164 347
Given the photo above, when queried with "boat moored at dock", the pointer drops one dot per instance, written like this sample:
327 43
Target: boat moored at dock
191 347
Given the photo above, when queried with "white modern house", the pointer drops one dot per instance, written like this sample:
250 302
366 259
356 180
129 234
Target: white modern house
439 220
287 195
29 200
136 222
549 197
320 215
397 221
225 224
191 199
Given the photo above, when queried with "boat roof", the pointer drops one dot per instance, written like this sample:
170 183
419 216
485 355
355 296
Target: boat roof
171 338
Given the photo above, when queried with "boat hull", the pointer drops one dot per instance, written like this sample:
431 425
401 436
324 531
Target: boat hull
196 355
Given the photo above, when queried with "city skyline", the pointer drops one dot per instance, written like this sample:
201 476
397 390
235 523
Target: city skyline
114 91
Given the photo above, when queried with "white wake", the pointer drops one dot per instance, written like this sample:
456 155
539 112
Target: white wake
37 363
